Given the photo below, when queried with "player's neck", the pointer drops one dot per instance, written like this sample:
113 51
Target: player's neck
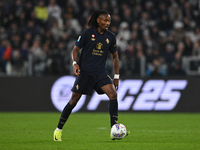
100 30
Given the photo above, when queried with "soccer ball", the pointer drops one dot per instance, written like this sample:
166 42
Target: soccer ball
118 131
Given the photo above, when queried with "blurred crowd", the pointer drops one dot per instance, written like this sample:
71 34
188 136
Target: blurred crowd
36 37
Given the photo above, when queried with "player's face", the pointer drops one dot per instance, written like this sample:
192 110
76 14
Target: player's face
104 21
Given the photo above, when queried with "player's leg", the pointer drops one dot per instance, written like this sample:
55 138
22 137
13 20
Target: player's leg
110 91
68 109
65 115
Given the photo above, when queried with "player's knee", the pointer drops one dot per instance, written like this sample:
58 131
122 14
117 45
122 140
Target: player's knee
113 95
73 102
74 99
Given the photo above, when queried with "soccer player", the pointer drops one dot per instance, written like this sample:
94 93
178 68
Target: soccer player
90 70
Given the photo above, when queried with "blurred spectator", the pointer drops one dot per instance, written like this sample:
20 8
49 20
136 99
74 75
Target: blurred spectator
59 61
165 24
18 64
54 11
147 41
17 8
39 57
85 10
13 29
178 32
124 65
28 37
137 67
15 41
188 47
187 10
24 50
180 48
56 31
175 68
28 9
175 12
137 12
135 28
2 13
21 22
116 20
47 38
104 5
3 33
154 33
6 58
195 36
188 24
41 13
95 4
72 28
168 54
155 69
149 8
64 39
130 52
145 21
126 14
32 28
2 50
8 20
70 10
124 34
124 31
196 49
134 38
162 11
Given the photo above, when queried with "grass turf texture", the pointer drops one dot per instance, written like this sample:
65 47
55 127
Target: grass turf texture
90 131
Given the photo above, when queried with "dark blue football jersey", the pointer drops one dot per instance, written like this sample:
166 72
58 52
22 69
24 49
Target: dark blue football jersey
95 48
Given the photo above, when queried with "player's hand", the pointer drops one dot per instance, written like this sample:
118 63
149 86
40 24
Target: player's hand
116 83
76 69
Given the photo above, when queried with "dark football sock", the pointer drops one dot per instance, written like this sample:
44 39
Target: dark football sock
113 110
65 115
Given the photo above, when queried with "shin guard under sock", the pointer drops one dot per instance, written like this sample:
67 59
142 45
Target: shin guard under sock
113 110
65 115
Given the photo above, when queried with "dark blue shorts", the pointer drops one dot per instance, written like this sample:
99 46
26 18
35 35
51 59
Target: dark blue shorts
85 84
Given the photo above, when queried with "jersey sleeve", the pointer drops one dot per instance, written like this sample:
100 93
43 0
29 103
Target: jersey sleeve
113 47
81 39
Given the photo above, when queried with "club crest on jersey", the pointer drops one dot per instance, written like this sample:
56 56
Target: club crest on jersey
107 40
99 45
93 37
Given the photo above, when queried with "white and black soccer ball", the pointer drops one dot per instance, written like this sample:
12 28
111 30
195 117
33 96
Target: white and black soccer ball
118 131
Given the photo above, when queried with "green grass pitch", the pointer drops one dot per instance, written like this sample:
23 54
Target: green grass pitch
90 131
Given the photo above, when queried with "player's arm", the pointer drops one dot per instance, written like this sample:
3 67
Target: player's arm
74 55
116 69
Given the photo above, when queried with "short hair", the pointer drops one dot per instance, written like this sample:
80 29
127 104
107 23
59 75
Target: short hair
93 20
